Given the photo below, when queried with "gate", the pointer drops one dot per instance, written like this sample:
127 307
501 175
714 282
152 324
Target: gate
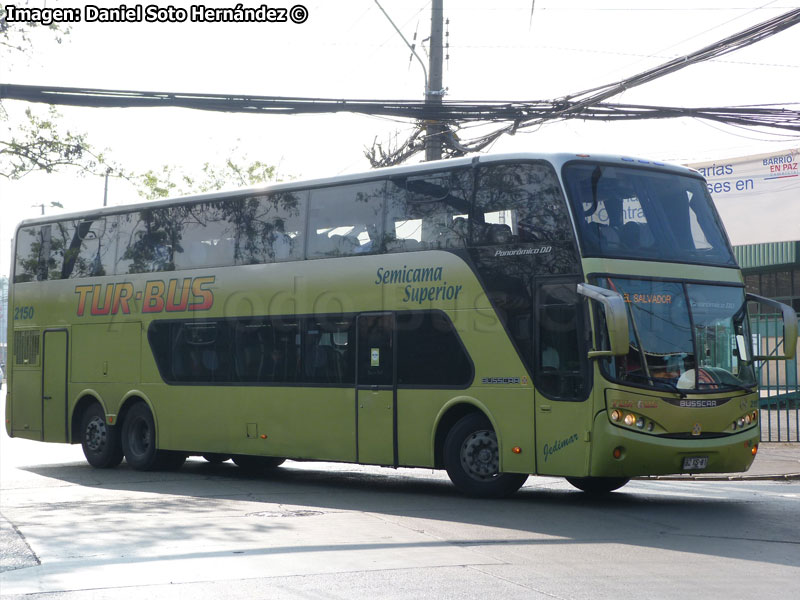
778 382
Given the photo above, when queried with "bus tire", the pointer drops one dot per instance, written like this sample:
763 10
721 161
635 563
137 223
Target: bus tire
139 438
99 440
598 485
216 459
472 460
257 463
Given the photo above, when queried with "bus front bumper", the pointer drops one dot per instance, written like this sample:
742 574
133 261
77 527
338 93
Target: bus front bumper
642 454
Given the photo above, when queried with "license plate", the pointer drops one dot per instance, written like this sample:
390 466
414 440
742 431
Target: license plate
695 463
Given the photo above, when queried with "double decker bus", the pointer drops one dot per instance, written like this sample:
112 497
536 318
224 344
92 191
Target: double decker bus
563 315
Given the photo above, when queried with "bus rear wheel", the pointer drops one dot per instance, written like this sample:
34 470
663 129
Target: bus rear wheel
99 440
472 460
598 485
139 443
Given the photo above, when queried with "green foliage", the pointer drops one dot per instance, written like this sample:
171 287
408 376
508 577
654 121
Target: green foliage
17 37
40 142
170 181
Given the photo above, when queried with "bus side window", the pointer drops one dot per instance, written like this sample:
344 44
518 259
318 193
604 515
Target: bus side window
202 236
90 250
345 220
146 241
267 228
250 355
519 203
429 211
376 350
33 246
430 352
559 364
328 351
201 352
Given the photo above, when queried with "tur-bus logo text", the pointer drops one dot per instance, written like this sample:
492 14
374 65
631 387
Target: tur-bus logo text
174 295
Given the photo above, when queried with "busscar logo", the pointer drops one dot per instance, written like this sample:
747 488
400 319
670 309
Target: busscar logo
503 380
696 403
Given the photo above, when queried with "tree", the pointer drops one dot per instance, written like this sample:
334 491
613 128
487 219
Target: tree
41 142
170 181
255 227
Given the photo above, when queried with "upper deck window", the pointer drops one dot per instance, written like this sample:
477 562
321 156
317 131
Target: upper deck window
519 203
624 212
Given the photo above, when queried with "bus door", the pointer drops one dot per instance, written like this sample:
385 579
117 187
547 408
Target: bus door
563 408
376 393
54 386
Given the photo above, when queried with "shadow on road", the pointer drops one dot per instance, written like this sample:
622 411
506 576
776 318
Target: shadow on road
707 520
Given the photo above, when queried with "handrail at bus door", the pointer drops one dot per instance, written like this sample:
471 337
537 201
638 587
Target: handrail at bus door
616 319
789 328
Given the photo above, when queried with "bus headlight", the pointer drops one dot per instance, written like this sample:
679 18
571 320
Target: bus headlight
632 420
744 421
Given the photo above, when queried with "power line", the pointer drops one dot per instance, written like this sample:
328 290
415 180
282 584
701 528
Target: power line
522 112
512 116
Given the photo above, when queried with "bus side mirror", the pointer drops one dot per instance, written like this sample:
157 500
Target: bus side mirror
789 328
616 319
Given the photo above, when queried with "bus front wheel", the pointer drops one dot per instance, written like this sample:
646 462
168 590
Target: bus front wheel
472 460
100 441
598 485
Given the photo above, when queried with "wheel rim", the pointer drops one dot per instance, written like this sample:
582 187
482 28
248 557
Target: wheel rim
96 434
140 437
480 455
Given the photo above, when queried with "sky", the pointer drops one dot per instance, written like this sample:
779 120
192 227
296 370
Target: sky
348 49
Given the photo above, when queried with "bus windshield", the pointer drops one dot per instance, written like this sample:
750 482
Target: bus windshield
627 212
683 336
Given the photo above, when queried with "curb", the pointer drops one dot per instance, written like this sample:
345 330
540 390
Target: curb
778 477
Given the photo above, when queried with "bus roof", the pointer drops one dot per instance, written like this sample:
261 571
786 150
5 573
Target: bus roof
556 159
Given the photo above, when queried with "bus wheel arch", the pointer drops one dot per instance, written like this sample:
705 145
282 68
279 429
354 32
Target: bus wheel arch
76 418
99 440
450 415
471 457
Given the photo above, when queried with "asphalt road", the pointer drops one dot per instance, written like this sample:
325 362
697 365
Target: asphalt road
314 530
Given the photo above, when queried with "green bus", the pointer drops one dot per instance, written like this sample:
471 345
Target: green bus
564 315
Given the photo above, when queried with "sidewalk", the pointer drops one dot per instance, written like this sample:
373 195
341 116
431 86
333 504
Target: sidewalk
777 461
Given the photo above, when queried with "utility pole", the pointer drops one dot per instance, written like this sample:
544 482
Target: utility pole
105 191
434 93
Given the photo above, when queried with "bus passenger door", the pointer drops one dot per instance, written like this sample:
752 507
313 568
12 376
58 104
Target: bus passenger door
563 408
54 386
375 389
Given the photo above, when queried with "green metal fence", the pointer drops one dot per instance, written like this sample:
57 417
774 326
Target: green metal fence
778 382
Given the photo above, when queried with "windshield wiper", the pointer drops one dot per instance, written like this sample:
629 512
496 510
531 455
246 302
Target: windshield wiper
735 386
666 383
